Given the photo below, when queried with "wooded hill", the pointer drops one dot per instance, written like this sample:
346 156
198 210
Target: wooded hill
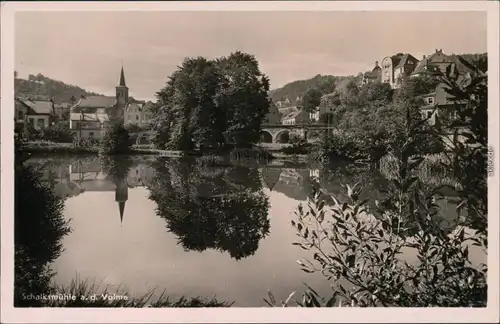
40 87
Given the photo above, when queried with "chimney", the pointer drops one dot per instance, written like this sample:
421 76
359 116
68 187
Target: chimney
423 57
376 63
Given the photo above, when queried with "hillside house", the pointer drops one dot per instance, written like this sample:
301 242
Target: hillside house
439 104
372 76
39 114
295 117
438 62
326 105
396 67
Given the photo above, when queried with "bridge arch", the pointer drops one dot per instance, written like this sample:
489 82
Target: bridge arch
282 136
266 136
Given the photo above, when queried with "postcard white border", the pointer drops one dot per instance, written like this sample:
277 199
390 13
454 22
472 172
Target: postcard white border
10 314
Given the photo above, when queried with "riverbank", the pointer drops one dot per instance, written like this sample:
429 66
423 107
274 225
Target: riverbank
259 151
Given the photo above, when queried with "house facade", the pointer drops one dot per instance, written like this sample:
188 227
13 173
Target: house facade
90 125
396 67
372 76
439 105
326 105
39 114
137 113
295 117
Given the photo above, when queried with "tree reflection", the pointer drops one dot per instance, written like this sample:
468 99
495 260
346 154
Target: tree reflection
39 227
210 207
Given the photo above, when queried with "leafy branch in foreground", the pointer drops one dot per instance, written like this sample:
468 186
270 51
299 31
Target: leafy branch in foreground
368 259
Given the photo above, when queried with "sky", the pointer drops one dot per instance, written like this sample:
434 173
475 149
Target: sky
88 48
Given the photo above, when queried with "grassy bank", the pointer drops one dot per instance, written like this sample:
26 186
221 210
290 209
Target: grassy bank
90 294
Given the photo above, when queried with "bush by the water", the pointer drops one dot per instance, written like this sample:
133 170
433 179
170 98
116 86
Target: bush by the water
116 141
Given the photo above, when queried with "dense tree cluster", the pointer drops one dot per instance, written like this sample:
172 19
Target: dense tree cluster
212 103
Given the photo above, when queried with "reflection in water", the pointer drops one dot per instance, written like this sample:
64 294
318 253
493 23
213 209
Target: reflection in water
243 211
212 208
39 227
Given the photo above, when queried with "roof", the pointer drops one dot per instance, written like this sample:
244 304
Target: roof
122 79
439 57
287 110
291 115
96 102
98 116
432 106
402 59
372 74
137 104
39 107
328 95
87 117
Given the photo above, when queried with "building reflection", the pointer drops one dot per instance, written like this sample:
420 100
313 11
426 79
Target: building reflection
73 177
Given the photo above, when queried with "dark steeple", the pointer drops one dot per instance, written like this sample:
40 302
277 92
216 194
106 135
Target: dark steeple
121 195
122 79
121 94
121 205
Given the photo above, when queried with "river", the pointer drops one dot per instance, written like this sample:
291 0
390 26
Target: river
189 227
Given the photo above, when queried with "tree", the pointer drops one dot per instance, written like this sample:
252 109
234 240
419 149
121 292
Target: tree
243 98
212 103
311 100
116 140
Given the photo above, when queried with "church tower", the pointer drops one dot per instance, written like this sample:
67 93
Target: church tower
122 91
121 195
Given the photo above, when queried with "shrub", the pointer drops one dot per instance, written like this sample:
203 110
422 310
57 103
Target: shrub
116 140
58 132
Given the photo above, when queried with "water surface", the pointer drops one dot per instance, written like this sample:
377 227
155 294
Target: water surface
188 227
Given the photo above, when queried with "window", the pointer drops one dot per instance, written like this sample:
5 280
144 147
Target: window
429 114
40 122
136 117
32 121
20 114
430 100
91 134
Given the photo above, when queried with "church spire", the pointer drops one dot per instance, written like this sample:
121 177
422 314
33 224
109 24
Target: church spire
122 78
121 205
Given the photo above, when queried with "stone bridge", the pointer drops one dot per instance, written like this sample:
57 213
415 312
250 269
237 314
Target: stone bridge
277 133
